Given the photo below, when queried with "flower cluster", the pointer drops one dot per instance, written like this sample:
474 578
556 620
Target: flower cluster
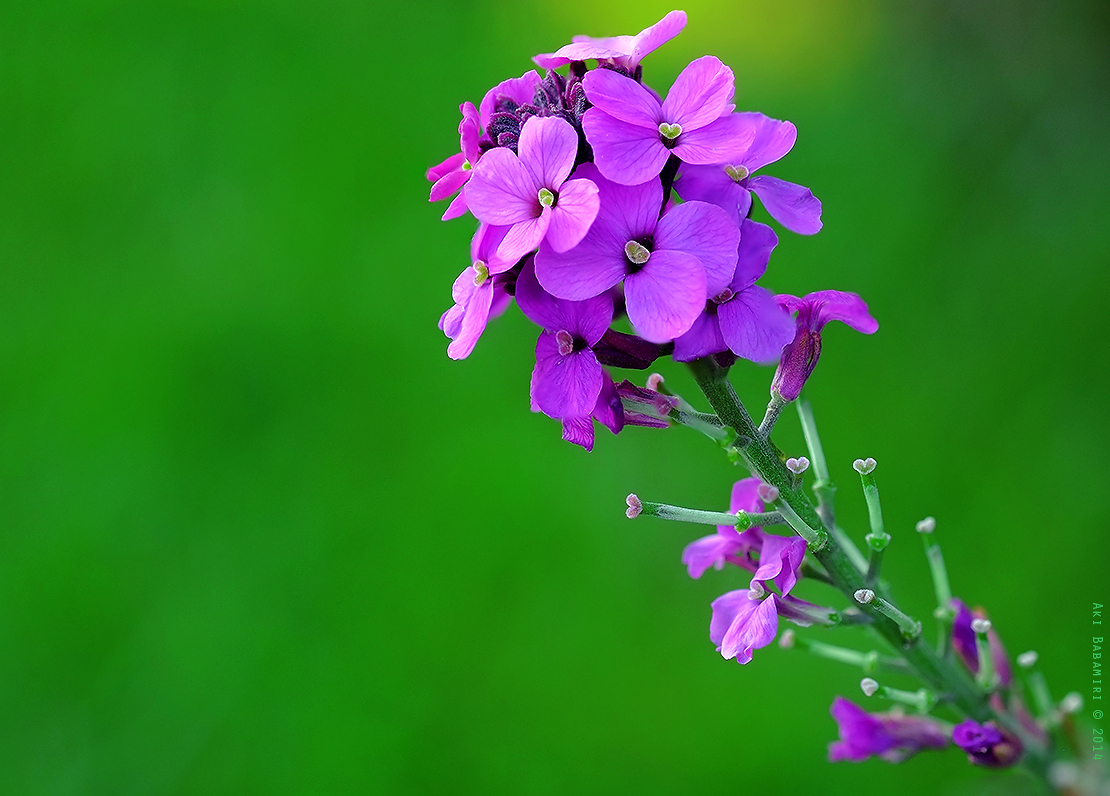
599 201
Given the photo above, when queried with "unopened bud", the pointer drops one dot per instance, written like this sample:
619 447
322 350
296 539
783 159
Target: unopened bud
1027 660
797 466
1071 703
768 493
864 466
655 381
786 641
927 525
864 596
634 506
868 686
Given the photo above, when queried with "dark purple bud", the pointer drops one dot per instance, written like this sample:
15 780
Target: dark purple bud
619 350
798 360
987 745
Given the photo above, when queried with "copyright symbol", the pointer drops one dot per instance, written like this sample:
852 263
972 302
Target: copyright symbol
1097 714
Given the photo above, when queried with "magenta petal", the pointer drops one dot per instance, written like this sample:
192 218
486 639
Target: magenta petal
547 147
745 497
725 610
470 130
587 319
580 431
501 189
722 141
448 184
524 236
450 164
565 386
751 631
474 319
712 184
623 152
793 206
608 410
665 297
709 551
702 339
699 94
837 305
757 241
573 214
456 208
754 326
519 89
652 38
707 232
581 273
771 139
484 245
622 98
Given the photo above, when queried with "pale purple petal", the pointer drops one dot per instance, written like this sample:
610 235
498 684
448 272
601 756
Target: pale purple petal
565 386
699 94
501 189
456 208
721 141
453 163
580 431
623 152
702 339
586 319
573 213
652 38
465 326
709 551
665 297
757 241
448 184
771 139
754 325
712 184
779 560
585 48
524 236
622 98
725 610
793 206
519 89
547 147
750 631
469 132
484 245
705 231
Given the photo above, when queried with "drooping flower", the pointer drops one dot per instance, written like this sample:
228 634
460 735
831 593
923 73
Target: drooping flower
986 744
963 641
799 358
567 378
608 411
730 183
665 262
479 292
529 192
728 543
891 736
625 51
741 316
748 619
453 173
633 134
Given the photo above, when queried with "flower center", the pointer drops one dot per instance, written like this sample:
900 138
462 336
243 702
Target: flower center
723 296
636 252
566 342
757 591
737 173
481 273
547 197
670 131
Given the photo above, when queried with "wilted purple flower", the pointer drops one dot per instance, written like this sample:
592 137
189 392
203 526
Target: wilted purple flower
987 745
728 543
453 173
731 184
665 262
741 316
799 358
625 51
479 293
608 411
748 619
891 736
567 379
632 134
529 192
963 641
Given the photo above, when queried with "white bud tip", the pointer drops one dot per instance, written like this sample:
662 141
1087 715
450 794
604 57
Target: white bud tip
634 506
864 596
1071 703
864 466
868 686
797 466
787 640
927 525
980 626
654 382
1063 775
768 493
1027 660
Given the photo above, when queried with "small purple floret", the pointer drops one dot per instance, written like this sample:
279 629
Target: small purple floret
890 736
987 745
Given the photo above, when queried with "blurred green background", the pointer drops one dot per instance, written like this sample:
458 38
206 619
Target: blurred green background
260 535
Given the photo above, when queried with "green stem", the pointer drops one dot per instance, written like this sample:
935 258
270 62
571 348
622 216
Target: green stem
822 485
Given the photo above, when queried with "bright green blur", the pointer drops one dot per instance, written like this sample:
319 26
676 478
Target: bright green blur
259 535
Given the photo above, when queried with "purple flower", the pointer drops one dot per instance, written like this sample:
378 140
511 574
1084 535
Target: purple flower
665 262
453 173
748 619
799 358
728 543
963 641
731 184
608 411
528 191
632 134
986 745
478 292
567 379
741 316
625 51
891 736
